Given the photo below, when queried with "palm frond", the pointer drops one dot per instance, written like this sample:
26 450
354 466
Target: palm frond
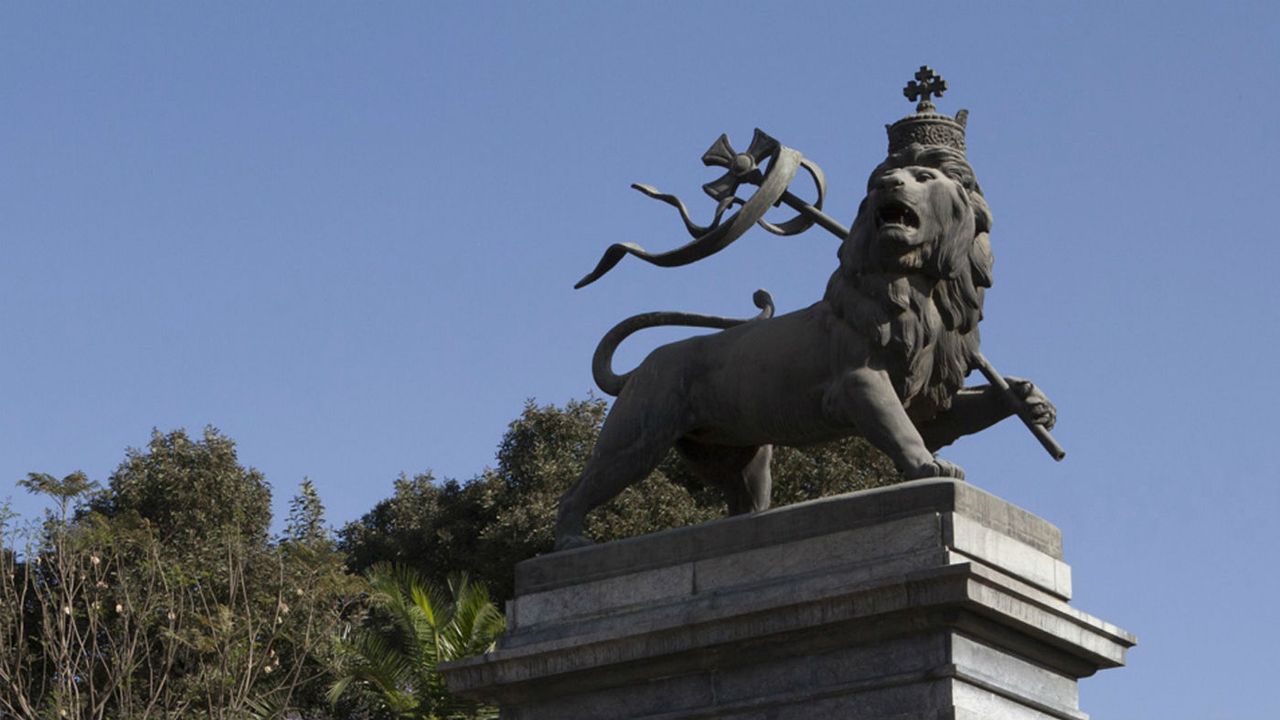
421 625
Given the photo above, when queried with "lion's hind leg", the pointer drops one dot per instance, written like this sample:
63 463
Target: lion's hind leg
742 473
631 444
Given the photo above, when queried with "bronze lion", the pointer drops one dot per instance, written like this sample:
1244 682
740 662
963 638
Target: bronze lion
882 355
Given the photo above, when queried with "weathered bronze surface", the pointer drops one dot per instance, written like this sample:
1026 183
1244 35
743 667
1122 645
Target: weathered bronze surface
883 354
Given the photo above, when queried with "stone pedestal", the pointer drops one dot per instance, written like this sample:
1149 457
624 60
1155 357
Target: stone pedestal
926 600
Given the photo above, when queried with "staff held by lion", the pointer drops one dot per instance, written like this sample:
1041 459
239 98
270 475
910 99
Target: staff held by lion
883 354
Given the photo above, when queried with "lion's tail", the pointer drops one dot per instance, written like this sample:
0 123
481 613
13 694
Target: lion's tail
602 362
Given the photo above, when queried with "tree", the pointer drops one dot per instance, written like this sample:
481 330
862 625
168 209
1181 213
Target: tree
414 626
162 595
194 493
507 514
129 605
306 516
432 527
326 597
77 614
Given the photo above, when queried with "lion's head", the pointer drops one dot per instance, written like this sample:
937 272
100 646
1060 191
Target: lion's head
913 270
923 212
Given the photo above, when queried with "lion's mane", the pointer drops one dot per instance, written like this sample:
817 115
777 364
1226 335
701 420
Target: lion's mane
926 318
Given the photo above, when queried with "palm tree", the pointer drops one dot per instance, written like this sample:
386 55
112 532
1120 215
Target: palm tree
413 627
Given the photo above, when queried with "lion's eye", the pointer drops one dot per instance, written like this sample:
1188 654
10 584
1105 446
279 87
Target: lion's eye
924 176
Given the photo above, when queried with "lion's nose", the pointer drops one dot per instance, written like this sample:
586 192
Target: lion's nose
892 180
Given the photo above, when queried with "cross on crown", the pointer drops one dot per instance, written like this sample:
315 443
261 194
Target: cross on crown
927 126
927 83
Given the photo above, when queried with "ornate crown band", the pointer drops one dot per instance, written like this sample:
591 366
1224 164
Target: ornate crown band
927 126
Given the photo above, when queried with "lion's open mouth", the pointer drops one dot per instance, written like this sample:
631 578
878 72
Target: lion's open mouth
894 212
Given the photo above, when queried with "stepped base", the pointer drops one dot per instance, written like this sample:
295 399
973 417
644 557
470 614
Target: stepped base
925 600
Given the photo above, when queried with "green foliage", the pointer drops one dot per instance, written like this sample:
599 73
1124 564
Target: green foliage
162 595
806 473
414 626
306 516
507 514
134 606
194 493
432 527
69 489
828 469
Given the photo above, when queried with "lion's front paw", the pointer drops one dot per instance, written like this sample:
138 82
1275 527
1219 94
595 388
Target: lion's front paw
1039 410
936 468
948 469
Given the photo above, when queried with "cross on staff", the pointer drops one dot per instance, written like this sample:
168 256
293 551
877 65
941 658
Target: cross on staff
927 83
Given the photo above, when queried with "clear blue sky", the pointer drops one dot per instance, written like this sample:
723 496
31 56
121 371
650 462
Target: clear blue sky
346 235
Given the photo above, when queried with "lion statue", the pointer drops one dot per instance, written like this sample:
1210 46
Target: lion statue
883 355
